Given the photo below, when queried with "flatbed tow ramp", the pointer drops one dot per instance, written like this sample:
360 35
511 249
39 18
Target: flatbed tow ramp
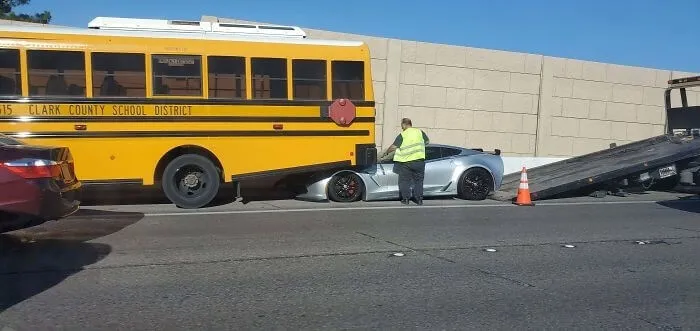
655 156
643 162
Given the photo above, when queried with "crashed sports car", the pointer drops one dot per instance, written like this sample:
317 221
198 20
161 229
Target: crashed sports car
469 174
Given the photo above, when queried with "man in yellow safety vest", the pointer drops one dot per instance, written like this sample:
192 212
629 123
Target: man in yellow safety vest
409 160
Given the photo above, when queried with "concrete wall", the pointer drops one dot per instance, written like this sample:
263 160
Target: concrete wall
586 106
458 95
525 104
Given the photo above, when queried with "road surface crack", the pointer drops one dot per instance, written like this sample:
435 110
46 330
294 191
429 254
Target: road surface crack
602 241
679 228
388 241
654 324
472 268
179 263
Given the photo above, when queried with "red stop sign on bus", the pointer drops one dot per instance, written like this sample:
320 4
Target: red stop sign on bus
342 111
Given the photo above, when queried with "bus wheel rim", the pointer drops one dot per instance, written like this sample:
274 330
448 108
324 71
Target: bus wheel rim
191 181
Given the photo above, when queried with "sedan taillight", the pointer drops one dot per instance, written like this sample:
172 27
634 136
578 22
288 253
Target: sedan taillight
34 168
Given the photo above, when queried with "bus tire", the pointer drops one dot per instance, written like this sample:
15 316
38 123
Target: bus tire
191 181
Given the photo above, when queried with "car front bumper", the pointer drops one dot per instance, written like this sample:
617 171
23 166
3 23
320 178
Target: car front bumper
317 191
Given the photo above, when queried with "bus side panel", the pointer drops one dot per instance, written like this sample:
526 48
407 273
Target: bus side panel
105 159
108 159
258 154
136 158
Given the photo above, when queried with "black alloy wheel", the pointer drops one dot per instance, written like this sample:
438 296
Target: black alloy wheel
475 184
345 187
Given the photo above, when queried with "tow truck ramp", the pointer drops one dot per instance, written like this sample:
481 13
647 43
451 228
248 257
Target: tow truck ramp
674 155
654 157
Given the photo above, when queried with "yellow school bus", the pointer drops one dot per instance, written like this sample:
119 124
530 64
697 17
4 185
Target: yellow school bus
187 105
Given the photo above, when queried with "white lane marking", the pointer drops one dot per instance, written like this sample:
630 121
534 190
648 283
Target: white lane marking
292 210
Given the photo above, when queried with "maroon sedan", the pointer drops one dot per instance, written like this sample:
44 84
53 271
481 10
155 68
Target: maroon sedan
37 184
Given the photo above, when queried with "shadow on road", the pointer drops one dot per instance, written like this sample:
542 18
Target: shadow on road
688 204
114 195
36 259
266 195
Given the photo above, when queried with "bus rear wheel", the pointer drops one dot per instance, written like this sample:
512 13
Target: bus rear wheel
191 181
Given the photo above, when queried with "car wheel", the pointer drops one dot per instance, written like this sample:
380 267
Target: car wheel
345 187
191 181
475 184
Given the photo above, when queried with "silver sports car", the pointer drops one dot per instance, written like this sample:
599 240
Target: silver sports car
470 174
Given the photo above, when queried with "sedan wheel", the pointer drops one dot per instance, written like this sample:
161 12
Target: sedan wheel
475 184
345 187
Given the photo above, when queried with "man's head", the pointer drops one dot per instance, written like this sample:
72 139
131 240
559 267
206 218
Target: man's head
406 123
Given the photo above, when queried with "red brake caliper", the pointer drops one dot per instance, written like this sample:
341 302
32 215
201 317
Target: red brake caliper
353 185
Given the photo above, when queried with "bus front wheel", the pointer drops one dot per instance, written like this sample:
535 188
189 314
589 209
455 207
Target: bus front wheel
191 181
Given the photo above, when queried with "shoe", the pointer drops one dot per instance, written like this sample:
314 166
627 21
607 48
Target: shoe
419 202
404 201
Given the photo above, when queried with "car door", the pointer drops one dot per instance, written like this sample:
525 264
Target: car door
386 178
432 153
438 170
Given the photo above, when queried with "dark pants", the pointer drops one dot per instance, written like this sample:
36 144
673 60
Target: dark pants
411 174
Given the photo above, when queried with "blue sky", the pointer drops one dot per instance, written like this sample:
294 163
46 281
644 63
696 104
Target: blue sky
649 33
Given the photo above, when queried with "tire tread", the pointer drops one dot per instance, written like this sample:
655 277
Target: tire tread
170 189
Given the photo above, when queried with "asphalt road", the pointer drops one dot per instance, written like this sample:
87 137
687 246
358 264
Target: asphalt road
293 265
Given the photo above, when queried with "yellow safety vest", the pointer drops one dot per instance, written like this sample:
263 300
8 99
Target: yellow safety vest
412 146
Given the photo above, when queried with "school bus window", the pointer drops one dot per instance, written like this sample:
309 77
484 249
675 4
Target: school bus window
309 79
56 73
118 75
269 78
178 75
348 79
226 77
10 75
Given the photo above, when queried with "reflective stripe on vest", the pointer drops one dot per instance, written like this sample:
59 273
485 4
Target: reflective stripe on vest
412 146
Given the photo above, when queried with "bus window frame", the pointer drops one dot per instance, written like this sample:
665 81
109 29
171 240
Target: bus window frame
152 76
145 73
326 73
364 82
287 73
246 77
85 56
19 79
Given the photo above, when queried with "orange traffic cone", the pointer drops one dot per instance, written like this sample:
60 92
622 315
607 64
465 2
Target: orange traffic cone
523 198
